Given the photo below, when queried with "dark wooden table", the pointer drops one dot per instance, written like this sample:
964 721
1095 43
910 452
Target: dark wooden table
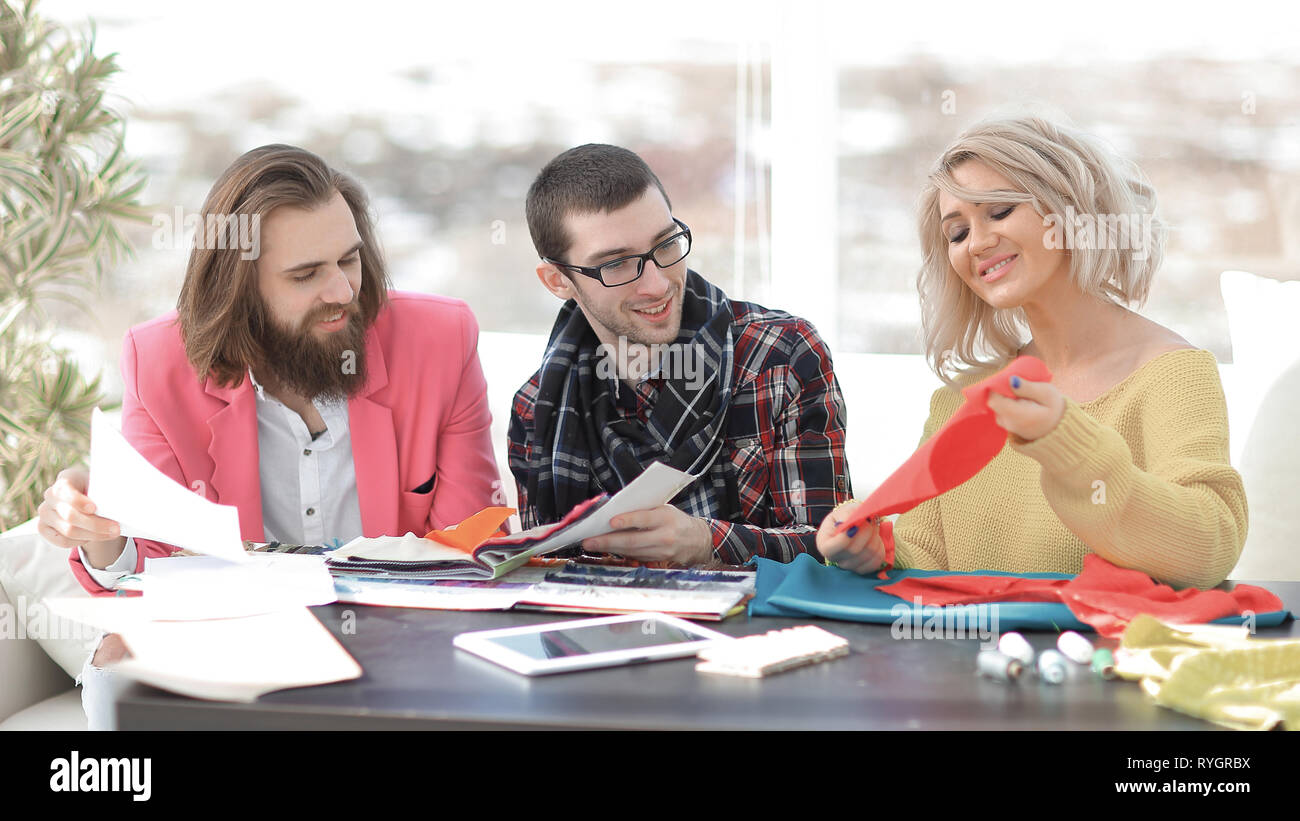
415 680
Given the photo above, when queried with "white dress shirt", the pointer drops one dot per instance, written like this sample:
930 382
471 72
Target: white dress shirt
309 486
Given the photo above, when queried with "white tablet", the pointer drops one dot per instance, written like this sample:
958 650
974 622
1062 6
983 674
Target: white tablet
586 643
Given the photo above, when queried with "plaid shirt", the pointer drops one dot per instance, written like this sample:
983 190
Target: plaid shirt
784 437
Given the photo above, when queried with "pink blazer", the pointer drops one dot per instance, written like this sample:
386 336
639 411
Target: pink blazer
422 413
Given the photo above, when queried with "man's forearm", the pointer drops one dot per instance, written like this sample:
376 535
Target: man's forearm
736 543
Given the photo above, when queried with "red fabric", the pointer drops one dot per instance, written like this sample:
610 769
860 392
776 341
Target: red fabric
955 453
1103 595
941 591
1108 597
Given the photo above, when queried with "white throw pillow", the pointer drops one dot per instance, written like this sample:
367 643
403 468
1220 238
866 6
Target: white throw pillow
31 571
1270 469
1262 323
1265 392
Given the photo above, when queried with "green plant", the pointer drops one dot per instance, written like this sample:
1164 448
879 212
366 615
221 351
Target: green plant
65 185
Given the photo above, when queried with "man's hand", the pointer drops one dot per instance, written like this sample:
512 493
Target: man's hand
1034 414
660 534
67 519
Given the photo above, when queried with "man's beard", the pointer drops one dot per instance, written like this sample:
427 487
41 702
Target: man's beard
297 361
621 326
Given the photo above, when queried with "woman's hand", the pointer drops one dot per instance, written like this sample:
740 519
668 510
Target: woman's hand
859 549
1034 414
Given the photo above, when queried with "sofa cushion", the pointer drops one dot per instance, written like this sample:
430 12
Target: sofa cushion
27 674
31 571
61 712
1266 385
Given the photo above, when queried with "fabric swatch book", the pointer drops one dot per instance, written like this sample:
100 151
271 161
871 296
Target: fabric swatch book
691 593
462 553
567 587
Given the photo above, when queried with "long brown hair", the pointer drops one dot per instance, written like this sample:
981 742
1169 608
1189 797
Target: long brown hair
220 308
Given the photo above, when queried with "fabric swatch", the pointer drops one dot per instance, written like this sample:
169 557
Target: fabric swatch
955 453
1103 595
806 587
473 531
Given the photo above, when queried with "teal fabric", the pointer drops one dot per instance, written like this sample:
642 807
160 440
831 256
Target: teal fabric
806 587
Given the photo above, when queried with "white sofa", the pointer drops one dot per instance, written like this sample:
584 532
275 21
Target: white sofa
37 689
36 693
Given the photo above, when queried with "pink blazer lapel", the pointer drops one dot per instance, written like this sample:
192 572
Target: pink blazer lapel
374 448
233 448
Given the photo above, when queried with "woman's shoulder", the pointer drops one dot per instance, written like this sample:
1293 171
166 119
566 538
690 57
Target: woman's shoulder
1153 339
1188 368
1174 382
1158 353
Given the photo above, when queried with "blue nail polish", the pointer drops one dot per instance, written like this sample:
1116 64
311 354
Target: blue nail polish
1015 381
853 531
835 521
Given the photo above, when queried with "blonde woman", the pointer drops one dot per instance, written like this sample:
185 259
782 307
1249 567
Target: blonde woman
1036 238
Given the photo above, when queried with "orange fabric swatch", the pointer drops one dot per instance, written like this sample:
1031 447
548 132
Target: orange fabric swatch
473 531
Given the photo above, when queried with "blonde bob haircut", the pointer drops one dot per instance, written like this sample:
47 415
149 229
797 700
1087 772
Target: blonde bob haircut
1058 171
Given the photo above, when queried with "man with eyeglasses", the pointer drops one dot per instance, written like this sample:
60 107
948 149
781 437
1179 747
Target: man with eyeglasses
648 361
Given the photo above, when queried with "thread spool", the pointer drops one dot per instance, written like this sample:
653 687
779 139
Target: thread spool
1018 647
1103 662
998 665
1075 647
1051 666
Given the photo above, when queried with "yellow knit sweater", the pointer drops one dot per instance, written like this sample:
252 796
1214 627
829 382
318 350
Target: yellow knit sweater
1139 475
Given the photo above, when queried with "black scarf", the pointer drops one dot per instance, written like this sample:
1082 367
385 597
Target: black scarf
583 447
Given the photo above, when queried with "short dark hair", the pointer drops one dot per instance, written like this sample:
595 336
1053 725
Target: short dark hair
220 309
585 180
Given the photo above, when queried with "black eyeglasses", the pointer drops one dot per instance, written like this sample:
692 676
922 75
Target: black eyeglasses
623 270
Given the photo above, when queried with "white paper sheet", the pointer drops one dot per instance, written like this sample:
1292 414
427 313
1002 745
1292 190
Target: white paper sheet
110 614
654 487
658 484
148 504
236 659
193 587
196 588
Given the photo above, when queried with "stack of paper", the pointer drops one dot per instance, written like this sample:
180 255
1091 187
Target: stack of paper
225 625
228 659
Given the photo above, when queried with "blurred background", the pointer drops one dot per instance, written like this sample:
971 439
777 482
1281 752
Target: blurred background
792 138
445 112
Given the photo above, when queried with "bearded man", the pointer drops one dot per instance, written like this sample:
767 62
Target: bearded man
292 383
